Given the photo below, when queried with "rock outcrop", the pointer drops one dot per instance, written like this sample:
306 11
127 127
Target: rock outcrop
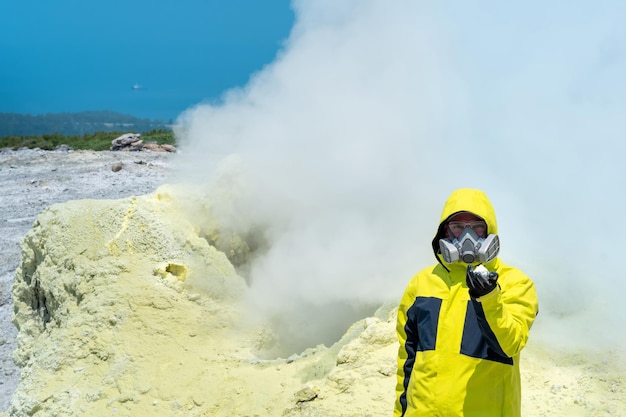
133 142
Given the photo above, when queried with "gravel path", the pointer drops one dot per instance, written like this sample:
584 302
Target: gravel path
32 180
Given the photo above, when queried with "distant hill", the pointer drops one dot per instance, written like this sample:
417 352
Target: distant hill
15 124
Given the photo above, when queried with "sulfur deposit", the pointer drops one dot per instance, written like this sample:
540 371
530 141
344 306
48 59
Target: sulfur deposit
122 308
125 307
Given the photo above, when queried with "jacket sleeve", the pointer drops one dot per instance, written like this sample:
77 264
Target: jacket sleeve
408 338
508 312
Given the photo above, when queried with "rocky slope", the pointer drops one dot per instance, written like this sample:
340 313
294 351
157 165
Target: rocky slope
33 180
125 307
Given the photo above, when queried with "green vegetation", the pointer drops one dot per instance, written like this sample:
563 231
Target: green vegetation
98 141
82 123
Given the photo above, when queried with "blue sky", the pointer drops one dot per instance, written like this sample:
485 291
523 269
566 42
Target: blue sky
74 55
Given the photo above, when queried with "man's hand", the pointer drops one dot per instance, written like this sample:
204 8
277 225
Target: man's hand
480 281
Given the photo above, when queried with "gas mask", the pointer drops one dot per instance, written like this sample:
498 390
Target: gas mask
469 248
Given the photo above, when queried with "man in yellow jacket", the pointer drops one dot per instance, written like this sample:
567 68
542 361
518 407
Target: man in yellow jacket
463 322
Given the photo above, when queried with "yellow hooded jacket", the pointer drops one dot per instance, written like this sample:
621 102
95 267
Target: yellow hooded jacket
460 356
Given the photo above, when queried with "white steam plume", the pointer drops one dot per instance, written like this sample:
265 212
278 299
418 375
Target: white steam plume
347 145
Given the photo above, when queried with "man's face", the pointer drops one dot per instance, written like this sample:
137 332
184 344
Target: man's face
459 221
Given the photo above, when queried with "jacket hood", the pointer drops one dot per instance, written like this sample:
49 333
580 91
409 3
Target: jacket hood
470 200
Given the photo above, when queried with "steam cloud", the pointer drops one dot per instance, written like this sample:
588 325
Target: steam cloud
345 148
